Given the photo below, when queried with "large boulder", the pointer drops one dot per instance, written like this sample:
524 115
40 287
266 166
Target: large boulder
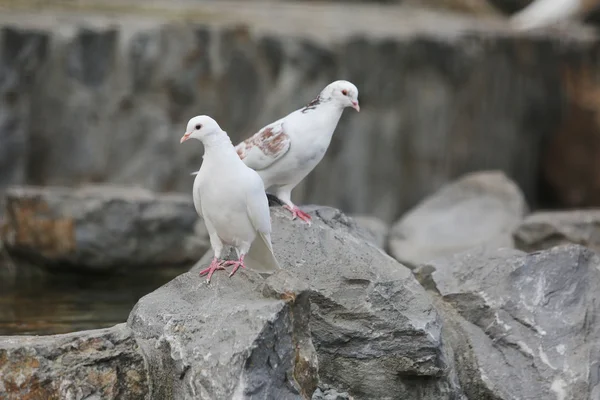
480 209
522 326
99 364
239 338
375 330
100 227
543 230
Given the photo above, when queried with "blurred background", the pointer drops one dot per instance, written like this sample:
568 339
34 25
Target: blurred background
99 92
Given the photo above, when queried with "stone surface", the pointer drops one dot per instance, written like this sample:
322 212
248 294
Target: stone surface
543 230
99 364
101 227
130 77
481 208
377 228
239 338
374 328
325 392
521 326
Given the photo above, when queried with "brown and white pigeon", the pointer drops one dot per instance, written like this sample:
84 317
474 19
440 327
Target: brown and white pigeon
286 151
231 199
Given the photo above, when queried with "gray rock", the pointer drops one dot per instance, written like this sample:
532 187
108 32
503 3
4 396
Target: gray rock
239 338
325 392
100 227
480 209
543 230
98 364
376 227
522 326
374 328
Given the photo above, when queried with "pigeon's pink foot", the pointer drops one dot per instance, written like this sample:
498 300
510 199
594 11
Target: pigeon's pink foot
215 265
296 212
237 264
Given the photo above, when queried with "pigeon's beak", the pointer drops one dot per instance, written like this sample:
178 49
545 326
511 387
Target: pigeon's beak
355 105
185 137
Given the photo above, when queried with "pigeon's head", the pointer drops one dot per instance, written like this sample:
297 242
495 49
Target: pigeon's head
201 127
344 93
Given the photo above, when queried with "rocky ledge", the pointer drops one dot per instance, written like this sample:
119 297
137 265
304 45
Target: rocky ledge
544 230
98 364
98 228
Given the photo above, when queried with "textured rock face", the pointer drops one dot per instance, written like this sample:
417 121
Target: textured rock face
127 87
544 230
374 328
328 393
239 338
20 57
479 209
101 227
98 364
522 326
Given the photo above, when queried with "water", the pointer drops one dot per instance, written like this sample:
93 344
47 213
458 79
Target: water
35 302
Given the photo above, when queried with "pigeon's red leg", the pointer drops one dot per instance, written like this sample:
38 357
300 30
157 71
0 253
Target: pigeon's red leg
296 212
215 265
237 264
303 216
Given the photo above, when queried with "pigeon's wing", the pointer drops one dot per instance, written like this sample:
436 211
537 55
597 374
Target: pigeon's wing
264 147
260 257
196 195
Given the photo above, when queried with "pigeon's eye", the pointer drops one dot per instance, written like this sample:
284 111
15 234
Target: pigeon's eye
345 92
198 126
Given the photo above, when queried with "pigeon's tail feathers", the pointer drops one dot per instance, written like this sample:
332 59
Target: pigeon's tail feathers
260 257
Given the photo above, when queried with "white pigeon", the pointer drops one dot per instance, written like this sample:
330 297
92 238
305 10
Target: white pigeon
231 199
541 13
284 152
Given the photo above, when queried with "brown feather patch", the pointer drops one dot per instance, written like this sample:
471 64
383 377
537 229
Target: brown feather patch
270 142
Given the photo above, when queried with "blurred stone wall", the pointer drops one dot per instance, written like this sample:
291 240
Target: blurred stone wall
86 99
